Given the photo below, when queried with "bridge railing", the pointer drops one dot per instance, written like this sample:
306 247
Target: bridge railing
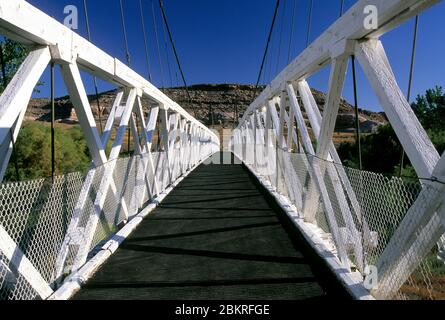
50 228
386 228
40 218
382 202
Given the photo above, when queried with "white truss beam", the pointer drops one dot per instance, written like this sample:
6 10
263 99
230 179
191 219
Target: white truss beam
415 141
15 99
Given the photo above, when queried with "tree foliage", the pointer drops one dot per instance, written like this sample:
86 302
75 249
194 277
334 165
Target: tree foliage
381 150
33 152
13 56
430 109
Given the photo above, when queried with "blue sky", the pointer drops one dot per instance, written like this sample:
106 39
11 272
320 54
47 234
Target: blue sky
222 41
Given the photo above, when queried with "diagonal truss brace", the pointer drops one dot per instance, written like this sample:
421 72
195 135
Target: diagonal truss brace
15 98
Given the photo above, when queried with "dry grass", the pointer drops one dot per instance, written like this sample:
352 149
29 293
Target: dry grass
417 289
340 137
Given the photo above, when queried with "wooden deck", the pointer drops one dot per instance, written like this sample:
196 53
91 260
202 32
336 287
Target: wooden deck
218 235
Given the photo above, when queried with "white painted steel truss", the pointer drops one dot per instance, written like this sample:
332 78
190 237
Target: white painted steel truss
265 133
184 141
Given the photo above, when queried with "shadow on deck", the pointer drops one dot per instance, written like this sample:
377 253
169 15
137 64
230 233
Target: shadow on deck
218 235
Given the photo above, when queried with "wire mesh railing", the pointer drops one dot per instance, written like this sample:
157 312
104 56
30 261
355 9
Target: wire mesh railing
359 212
44 221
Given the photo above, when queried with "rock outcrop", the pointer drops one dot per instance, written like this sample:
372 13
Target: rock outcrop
216 104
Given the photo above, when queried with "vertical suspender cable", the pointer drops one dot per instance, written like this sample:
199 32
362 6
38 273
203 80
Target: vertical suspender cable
3 63
268 43
413 57
147 55
359 153
288 61
309 25
99 111
124 29
291 30
281 36
357 120
5 84
410 81
264 74
174 48
53 118
157 43
127 54
358 142
270 63
167 57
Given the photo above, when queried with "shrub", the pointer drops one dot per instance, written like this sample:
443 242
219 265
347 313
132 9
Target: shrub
33 152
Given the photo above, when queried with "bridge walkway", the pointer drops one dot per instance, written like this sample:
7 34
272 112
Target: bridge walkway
218 235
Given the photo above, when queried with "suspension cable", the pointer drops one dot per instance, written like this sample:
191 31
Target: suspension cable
177 79
288 61
167 56
174 50
309 25
357 119
147 55
291 30
413 57
157 44
127 54
99 111
270 62
410 81
358 143
124 30
281 36
2 61
342 6
264 73
53 119
267 44
5 84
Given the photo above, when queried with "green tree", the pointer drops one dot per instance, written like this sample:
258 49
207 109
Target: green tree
13 56
381 150
34 152
430 109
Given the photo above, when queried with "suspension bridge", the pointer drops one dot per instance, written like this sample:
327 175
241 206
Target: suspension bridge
269 214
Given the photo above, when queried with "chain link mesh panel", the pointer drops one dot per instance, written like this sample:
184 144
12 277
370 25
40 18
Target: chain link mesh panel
48 219
368 209
13 285
35 214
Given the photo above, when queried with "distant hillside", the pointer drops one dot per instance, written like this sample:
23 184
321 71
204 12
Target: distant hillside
214 104
224 99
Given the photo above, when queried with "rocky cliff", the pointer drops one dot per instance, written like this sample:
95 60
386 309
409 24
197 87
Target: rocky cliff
211 104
